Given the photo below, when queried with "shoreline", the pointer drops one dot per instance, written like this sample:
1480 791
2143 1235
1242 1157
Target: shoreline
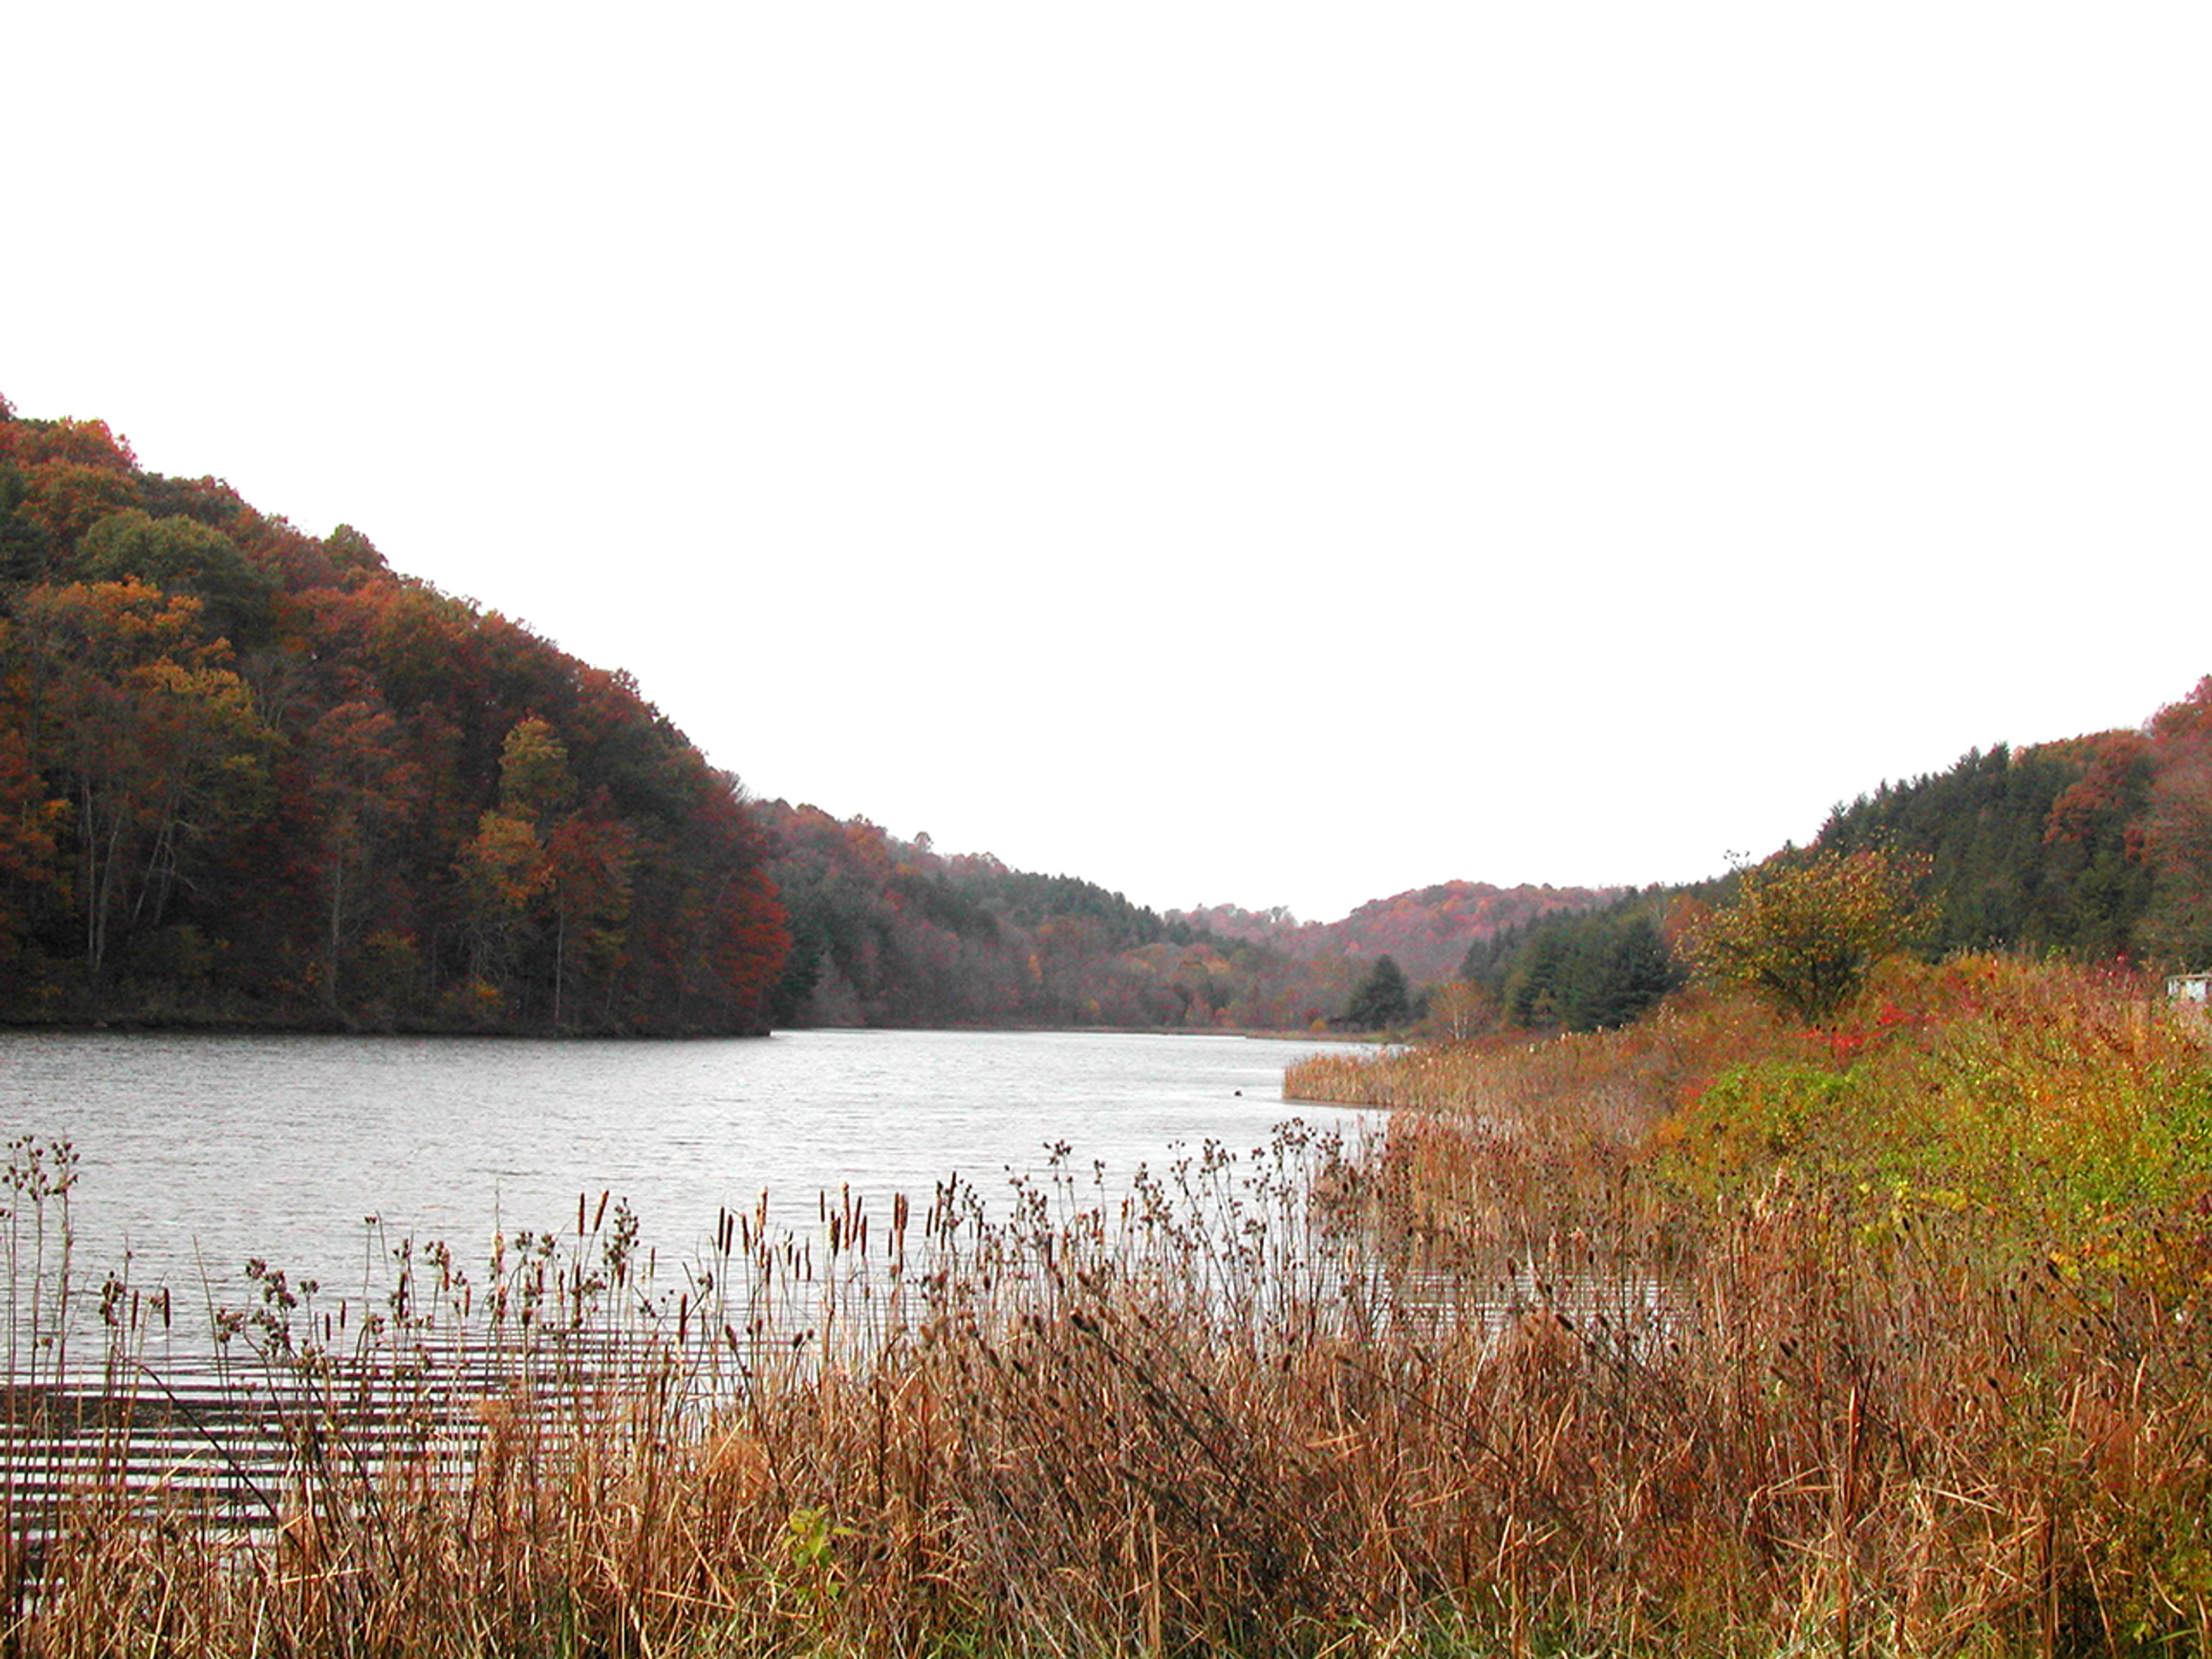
237 1025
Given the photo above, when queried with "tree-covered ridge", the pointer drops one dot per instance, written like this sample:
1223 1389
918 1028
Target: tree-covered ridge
891 933
888 932
1427 931
2031 849
2096 848
251 775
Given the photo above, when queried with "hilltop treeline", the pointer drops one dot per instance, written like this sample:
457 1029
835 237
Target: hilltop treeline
1427 931
251 775
2096 848
2049 848
890 932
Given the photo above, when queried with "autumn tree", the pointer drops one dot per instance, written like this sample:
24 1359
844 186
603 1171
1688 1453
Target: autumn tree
156 737
2174 834
1805 929
535 782
588 858
179 555
61 499
1460 1011
30 826
364 786
505 865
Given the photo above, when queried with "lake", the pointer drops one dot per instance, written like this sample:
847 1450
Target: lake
198 1152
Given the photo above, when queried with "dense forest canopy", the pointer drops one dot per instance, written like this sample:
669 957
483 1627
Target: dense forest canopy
250 776
2096 847
891 931
1583 971
888 932
1427 931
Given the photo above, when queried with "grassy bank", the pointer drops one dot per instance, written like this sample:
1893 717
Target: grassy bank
1934 1380
1704 1337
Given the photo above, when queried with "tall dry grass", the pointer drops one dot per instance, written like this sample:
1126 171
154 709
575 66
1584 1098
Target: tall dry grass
1928 1371
1524 1376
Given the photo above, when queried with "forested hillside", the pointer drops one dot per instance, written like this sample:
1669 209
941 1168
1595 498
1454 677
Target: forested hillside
250 776
2096 848
1427 931
888 932
2044 849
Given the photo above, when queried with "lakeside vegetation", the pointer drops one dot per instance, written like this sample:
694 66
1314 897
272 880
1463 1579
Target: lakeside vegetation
1711 1334
2096 848
1940 1273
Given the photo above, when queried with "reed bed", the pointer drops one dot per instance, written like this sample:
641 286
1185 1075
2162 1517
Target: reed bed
1922 1365
1538 1371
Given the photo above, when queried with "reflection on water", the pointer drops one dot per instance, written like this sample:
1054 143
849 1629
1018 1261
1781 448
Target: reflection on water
200 1152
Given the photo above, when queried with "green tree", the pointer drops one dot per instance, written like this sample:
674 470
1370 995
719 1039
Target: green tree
1380 1000
180 555
1805 928
1616 967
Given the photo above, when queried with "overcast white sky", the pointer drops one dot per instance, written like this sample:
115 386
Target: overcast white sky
1277 453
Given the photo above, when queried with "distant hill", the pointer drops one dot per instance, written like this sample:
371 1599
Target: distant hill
1425 930
890 932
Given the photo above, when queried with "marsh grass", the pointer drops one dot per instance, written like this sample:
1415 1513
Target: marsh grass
1927 1367
1539 1372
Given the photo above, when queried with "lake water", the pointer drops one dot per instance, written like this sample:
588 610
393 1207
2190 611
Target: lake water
198 1152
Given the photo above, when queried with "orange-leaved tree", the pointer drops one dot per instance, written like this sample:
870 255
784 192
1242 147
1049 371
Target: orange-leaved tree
155 736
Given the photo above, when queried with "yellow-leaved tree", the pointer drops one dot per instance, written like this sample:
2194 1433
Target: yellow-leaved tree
1805 928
